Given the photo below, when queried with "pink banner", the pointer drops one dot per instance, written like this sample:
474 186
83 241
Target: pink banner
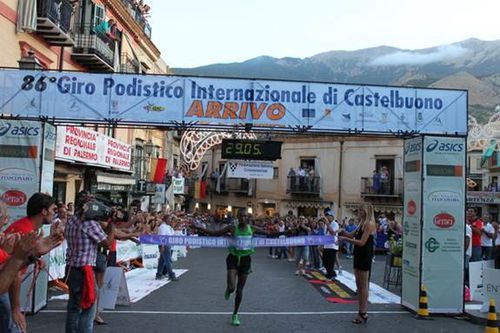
87 146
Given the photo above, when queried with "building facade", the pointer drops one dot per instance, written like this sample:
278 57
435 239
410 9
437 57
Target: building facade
337 172
110 36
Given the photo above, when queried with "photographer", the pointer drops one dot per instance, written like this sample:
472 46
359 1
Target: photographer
84 234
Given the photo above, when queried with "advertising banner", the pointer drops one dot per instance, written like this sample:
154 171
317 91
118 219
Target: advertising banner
117 154
491 287
178 185
250 169
150 255
57 261
480 197
48 158
20 151
443 232
243 243
159 196
84 145
169 100
127 250
412 222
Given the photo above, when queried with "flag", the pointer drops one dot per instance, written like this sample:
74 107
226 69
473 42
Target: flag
197 189
203 189
488 152
219 185
158 169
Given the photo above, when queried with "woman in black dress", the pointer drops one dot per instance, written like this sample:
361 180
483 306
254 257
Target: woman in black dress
362 238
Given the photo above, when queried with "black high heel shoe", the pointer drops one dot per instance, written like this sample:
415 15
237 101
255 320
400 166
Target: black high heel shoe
361 319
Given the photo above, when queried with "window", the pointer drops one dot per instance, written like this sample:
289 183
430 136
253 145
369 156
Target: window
385 169
99 15
307 162
176 161
276 172
138 162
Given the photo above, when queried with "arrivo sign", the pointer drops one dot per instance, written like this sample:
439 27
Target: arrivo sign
14 198
444 220
412 207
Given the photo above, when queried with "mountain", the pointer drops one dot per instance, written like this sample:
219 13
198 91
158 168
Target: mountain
472 64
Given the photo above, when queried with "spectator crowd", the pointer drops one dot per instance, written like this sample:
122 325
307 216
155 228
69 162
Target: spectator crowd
91 230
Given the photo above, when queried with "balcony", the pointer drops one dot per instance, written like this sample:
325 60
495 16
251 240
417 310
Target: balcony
129 65
54 21
94 51
234 185
138 17
393 188
303 185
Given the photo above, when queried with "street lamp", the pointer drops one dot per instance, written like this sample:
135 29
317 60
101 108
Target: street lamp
29 61
148 148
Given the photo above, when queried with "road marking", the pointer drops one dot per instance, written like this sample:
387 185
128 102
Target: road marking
242 313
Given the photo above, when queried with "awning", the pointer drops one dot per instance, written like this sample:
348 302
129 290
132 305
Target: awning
308 204
115 179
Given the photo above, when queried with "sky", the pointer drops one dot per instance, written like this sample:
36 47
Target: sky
193 33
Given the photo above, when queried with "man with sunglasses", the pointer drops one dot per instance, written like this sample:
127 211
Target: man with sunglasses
40 210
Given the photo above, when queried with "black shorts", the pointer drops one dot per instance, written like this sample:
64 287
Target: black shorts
244 267
112 259
101 262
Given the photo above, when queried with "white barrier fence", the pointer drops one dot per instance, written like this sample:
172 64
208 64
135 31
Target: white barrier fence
125 251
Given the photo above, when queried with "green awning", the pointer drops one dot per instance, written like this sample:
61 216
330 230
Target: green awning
488 153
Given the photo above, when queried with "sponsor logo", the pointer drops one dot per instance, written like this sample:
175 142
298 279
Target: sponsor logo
411 186
432 245
8 129
413 148
50 135
444 197
150 107
444 147
4 129
16 175
412 207
14 198
406 228
444 220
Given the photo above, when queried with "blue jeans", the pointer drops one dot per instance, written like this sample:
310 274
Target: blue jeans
165 263
349 248
77 319
6 323
476 254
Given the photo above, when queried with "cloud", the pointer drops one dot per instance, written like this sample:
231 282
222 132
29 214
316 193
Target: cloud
414 58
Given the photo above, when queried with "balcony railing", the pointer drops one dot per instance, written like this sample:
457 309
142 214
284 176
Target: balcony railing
303 185
388 188
54 21
94 50
138 17
233 185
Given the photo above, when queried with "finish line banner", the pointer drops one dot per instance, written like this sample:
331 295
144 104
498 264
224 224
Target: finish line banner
232 242
208 102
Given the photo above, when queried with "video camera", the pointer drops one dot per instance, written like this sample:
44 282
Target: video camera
97 211
91 208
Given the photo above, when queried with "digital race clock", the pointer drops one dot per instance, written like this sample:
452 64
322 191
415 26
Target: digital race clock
251 150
